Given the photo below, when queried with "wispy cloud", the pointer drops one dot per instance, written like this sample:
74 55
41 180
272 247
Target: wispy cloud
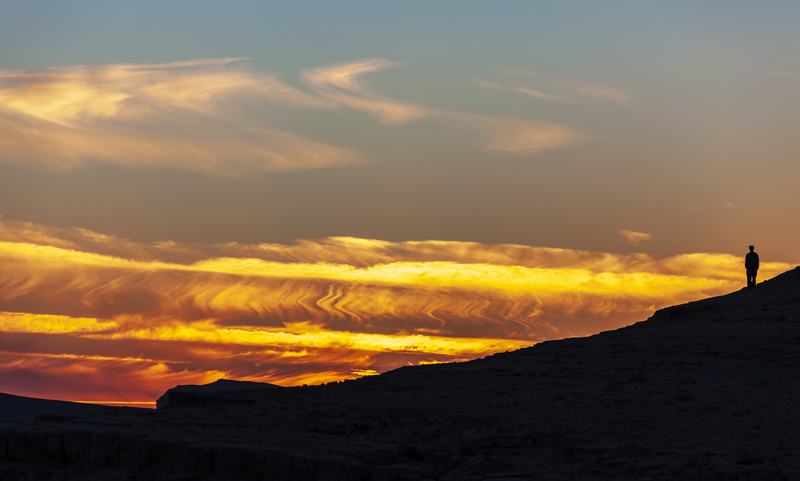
785 74
487 84
178 115
526 137
341 84
534 93
605 92
559 89
191 115
634 238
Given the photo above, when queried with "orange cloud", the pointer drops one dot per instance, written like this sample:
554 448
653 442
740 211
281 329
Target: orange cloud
77 303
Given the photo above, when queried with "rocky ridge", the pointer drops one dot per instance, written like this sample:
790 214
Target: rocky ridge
706 390
220 385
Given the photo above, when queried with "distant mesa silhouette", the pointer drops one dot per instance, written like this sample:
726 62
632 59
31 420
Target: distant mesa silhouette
173 397
27 409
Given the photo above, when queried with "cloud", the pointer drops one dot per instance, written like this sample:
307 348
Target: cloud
192 116
178 115
75 303
785 74
605 92
487 84
516 136
66 95
534 93
634 238
525 137
341 84
560 89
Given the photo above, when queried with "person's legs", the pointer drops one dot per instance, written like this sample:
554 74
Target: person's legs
751 279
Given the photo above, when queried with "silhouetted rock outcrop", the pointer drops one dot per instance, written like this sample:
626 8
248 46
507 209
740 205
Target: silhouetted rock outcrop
707 390
183 395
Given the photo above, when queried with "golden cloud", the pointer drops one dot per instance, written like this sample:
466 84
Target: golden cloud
189 115
176 115
340 84
634 238
74 303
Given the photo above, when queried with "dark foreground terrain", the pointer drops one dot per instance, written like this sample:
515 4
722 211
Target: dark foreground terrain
706 390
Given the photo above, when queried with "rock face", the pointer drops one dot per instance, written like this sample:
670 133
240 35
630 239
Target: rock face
707 390
182 394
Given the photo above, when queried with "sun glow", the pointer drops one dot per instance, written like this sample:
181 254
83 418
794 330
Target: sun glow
82 307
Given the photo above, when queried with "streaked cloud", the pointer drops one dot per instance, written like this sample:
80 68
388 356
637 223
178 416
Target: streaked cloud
341 84
180 115
525 137
534 93
191 115
785 74
74 302
605 92
487 84
559 89
66 95
634 238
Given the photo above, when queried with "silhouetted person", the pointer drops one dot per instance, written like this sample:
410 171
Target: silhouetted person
751 264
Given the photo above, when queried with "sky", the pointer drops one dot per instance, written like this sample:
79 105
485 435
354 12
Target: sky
298 192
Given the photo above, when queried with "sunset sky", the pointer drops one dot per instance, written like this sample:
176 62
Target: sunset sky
305 192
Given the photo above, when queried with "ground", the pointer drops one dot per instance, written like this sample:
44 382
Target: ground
706 390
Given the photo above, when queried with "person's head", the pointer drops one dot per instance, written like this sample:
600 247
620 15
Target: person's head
751 248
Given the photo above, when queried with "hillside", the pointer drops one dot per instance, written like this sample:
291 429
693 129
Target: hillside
705 390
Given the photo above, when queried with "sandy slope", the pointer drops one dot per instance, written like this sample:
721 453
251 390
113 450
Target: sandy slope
707 390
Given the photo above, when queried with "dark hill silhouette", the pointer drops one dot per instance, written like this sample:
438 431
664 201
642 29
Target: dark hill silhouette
220 385
25 409
705 390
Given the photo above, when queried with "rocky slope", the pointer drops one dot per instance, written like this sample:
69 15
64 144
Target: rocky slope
706 390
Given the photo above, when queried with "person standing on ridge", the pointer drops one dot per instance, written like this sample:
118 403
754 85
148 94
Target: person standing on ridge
751 264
